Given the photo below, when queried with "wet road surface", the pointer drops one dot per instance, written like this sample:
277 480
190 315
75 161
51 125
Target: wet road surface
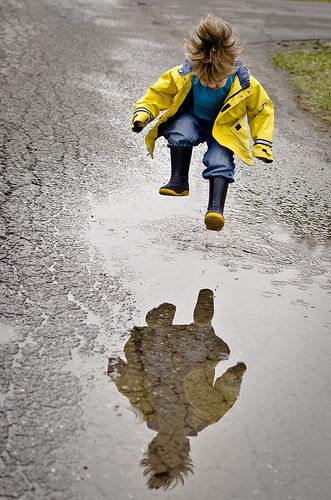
88 247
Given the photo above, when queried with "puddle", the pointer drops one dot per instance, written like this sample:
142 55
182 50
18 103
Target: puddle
159 270
170 233
269 444
271 308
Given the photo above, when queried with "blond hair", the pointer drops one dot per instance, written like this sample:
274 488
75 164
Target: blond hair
167 461
212 49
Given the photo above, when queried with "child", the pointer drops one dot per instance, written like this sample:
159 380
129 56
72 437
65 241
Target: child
206 100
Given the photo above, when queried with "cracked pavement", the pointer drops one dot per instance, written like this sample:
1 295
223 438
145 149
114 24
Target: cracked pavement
87 248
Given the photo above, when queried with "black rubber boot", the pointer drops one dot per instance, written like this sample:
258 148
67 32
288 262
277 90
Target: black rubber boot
180 165
218 187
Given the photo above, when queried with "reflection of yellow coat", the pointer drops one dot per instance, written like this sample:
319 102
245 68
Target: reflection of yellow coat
246 97
169 377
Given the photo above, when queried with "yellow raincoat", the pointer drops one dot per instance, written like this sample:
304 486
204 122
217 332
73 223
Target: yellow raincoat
246 97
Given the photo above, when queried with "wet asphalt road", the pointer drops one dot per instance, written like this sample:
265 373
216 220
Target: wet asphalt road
88 248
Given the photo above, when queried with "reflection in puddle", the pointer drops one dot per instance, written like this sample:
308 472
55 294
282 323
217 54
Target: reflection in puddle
169 378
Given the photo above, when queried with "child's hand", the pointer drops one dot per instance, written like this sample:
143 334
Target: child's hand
263 152
139 120
137 126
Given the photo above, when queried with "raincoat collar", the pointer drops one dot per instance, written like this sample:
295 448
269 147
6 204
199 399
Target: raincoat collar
241 71
186 68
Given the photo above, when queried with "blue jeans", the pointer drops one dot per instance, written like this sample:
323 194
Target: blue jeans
186 130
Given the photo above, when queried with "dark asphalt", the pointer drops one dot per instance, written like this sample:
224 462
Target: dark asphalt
87 249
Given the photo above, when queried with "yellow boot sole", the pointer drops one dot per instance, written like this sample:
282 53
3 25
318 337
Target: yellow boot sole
214 221
170 192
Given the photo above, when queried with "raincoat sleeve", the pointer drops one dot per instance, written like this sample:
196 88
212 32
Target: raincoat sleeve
208 402
228 385
260 114
158 97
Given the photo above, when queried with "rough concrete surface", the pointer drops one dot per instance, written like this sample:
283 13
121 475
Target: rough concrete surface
88 247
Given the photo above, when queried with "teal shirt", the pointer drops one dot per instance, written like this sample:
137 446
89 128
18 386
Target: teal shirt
206 102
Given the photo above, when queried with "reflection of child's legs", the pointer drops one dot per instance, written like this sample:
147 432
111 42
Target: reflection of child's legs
219 170
218 161
182 134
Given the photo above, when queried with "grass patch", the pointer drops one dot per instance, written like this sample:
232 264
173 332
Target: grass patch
310 71
325 1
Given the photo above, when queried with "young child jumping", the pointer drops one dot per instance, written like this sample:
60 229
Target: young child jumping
206 100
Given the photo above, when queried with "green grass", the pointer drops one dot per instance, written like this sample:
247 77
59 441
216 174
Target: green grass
310 71
315 0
